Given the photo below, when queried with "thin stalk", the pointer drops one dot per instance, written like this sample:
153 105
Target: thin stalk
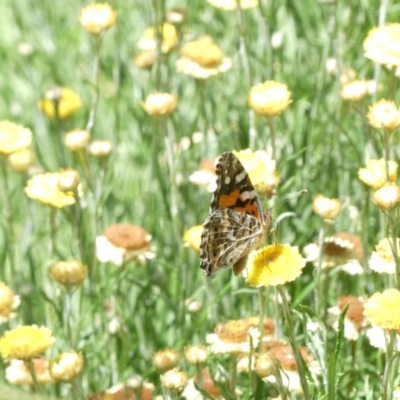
393 243
77 389
272 136
31 368
386 392
53 230
386 149
68 313
281 387
201 85
292 340
261 313
319 292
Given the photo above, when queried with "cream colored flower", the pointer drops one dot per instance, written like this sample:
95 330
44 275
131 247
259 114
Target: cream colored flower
374 175
69 180
18 374
13 137
232 4
21 160
354 91
382 260
169 36
196 354
384 114
205 176
61 101
202 59
76 140
269 98
387 197
165 360
44 188
68 273
97 17
8 303
174 381
66 366
121 243
101 149
326 208
177 16
160 104
379 337
144 59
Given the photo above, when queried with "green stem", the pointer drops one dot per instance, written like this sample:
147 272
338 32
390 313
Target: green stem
386 392
77 389
319 292
31 367
292 340
272 136
68 311
386 147
281 387
261 313
394 243
53 230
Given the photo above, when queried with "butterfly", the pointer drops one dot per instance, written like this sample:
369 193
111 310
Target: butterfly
236 223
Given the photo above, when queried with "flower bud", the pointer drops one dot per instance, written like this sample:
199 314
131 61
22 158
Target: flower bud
177 16
174 381
387 197
97 17
68 180
326 208
144 59
166 359
76 140
384 114
354 91
266 365
22 160
66 366
68 273
196 354
160 104
100 148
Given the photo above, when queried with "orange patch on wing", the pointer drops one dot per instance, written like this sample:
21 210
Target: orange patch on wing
229 200
249 209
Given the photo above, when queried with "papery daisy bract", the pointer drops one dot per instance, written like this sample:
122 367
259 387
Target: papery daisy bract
196 355
174 381
68 180
384 114
66 366
192 237
274 265
325 207
354 91
76 140
387 197
382 260
17 372
44 188
383 309
374 175
68 273
379 338
97 17
25 342
166 359
61 101
13 137
160 105
8 303
101 149
269 98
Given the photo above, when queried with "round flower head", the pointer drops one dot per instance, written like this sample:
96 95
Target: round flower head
177 16
382 260
196 354
274 265
383 309
44 188
174 381
382 45
374 175
384 114
61 101
17 372
66 366
25 342
354 91
387 197
166 359
97 17
8 303
160 104
13 137
261 169
21 160
169 36
202 59
326 208
68 180
192 237
100 148
76 140
266 365
69 273
232 4
144 59
269 98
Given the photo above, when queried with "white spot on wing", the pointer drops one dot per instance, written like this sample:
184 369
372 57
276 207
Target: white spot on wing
241 176
227 180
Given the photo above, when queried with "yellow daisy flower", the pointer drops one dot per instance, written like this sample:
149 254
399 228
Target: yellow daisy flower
44 188
374 174
384 114
274 265
25 342
383 309
97 17
66 366
69 273
13 137
8 303
170 40
160 105
61 99
192 237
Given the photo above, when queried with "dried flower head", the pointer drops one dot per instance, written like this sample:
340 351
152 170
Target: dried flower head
384 114
25 342
160 105
121 243
144 59
165 360
383 309
17 372
60 101
68 180
174 381
66 366
382 45
100 148
68 273
266 365
76 140
193 306
354 91
97 17
354 319
205 175
374 175
192 237
9 302
269 98
274 265
13 137
382 260
387 197
261 169
326 208
202 59
167 32
44 188
196 354
239 336
21 160
232 4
